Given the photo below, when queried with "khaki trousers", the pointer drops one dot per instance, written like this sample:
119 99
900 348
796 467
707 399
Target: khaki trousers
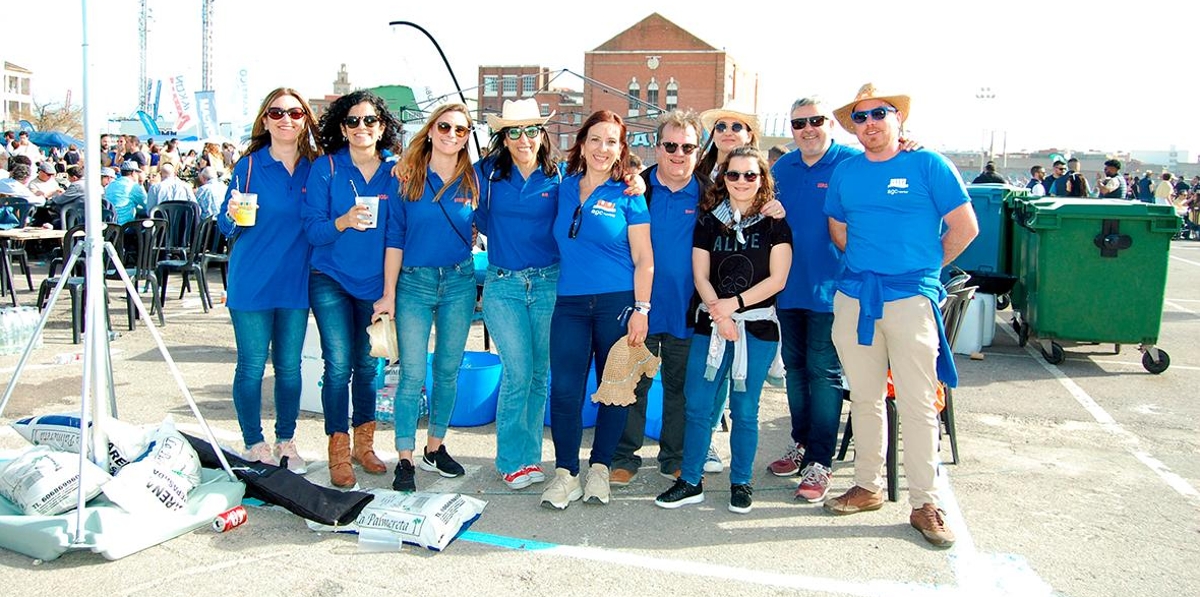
907 339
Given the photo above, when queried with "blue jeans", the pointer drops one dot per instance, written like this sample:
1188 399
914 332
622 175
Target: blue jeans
702 395
517 307
342 320
257 334
583 327
428 297
814 381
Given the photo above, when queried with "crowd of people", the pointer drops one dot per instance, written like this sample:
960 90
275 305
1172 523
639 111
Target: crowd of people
825 261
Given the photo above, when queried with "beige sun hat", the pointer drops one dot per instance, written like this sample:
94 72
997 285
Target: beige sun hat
736 109
519 113
623 370
382 335
868 92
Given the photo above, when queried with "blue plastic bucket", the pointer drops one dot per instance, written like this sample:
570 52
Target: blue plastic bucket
478 388
654 408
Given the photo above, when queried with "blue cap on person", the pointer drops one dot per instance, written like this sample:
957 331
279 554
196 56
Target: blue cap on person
130 166
868 92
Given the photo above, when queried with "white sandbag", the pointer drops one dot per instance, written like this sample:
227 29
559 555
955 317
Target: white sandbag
430 520
162 478
60 431
46 482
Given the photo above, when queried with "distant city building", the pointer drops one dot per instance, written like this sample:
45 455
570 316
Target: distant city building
16 95
400 100
499 83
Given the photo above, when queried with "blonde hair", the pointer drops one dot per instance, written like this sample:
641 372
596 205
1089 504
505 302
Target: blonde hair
415 162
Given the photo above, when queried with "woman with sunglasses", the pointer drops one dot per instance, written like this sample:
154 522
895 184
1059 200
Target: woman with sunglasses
607 267
268 270
740 261
348 240
429 272
729 126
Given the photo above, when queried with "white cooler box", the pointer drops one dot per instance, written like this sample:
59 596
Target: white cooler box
978 327
312 368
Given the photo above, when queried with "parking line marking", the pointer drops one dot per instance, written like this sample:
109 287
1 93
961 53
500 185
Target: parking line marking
1189 261
1131 441
872 588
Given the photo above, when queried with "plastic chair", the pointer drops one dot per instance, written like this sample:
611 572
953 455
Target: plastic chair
71 215
147 235
215 251
188 265
183 222
14 213
76 281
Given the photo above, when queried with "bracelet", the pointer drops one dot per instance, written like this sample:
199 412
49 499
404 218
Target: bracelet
741 304
642 307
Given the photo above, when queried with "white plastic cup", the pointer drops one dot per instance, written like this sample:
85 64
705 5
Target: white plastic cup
247 211
372 203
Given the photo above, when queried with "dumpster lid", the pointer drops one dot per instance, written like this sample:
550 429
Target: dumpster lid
1105 209
996 192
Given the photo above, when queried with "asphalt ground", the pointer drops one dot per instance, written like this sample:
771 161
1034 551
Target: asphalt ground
1077 479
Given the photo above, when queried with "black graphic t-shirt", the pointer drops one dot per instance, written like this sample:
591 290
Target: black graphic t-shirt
734 267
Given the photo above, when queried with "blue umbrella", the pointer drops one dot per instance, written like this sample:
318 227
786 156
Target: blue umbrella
54 139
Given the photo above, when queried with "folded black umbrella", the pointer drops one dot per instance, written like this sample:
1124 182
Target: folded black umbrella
281 487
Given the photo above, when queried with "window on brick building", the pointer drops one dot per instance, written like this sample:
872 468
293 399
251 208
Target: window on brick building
529 84
545 109
489 85
635 97
564 142
652 92
672 94
509 86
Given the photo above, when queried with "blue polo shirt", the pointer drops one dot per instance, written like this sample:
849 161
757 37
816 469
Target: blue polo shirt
672 223
352 257
894 212
597 260
429 236
816 261
517 214
268 266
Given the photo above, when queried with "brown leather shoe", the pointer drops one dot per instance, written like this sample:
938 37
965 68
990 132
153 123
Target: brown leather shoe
341 474
364 449
856 500
620 477
930 520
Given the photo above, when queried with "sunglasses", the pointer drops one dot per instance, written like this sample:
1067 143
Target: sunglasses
352 122
532 131
734 176
671 147
799 123
876 114
737 127
576 221
460 131
279 113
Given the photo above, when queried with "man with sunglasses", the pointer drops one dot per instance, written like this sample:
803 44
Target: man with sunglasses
1060 171
887 210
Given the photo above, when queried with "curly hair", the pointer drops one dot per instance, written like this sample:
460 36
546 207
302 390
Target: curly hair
717 192
415 161
330 136
576 163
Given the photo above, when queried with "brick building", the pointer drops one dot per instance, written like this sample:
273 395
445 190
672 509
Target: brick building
499 83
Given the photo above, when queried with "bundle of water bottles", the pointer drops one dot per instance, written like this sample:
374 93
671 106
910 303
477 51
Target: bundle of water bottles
17 325
387 381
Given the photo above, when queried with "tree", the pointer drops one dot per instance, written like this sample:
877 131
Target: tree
58 117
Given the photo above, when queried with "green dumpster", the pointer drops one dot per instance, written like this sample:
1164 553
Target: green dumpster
1095 270
1019 209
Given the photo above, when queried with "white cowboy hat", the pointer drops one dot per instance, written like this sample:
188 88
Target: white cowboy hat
732 110
519 113
382 335
867 92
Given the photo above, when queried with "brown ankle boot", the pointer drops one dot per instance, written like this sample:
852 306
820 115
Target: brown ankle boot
364 449
341 474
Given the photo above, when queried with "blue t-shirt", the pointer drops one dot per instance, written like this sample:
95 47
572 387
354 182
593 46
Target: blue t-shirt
434 233
672 223
352 257
516 215
126 197
268 266
816 261
893 211
598 259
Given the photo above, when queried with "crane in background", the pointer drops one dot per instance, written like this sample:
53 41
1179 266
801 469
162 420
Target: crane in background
206 64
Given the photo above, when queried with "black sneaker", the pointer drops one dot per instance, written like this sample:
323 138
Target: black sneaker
441 463
739 498
406 476
681 494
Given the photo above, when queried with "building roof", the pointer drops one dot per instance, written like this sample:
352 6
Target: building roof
648 33
20 69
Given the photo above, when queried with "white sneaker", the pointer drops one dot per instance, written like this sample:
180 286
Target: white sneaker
261 452
295 463
596 490
563 490
712 462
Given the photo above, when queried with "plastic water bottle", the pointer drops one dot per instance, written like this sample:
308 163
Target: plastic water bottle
5 332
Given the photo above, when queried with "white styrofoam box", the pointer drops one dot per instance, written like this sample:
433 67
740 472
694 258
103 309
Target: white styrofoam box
312 368
978 327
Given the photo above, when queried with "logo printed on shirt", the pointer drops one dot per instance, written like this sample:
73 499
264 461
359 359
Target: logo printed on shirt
898 186
463 200
545 194
604 208
689 212
822 185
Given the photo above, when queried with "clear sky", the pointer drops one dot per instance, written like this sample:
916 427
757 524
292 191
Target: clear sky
1085 75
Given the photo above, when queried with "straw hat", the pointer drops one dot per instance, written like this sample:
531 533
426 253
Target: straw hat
868 92
382 334
519 113
623 370
732 110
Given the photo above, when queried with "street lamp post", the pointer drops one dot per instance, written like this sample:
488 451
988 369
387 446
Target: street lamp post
450 70
986 96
